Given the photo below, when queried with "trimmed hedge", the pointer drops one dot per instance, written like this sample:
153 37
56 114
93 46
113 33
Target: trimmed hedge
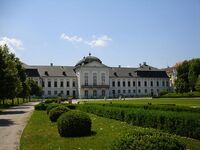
163 107
145 140
55 112
51 106
184 123
74 123
41 106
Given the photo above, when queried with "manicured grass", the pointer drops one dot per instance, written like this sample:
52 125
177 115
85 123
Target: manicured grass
177 101
40 133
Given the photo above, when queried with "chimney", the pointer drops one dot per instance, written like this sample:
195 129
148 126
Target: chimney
119 66
51 64
144 63
140 65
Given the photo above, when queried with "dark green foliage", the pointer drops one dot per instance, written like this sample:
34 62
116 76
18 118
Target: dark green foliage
182 95
163 107
71 106
48 101
55 113
51 106
41 106
74 123
187 74
197 87
146 140
184 123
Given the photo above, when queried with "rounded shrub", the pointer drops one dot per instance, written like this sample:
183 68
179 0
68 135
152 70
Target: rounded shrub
148 140
55 112
48 101
51 106
74 123
41 106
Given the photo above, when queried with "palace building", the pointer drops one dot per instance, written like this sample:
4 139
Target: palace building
90 78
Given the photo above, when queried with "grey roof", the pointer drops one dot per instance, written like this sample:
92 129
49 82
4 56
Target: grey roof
144 70
122 72
58 71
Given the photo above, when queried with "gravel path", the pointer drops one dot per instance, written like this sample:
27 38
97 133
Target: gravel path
12 122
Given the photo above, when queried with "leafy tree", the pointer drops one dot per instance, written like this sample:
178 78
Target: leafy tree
34 88
181 86
10 84
197 87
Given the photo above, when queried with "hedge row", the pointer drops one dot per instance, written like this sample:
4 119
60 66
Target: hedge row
143 140
184 123
164 107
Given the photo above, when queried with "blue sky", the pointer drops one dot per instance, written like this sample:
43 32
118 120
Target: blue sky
119 32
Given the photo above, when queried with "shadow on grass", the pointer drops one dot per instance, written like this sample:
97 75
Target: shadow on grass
12 112
6 122
92 133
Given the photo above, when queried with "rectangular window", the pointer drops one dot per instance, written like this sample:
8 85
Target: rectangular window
113 84
67 83
61 92
94 93
74 93
133 83
151 83
86 78
49 83
55 83
113 92
119 91
67 93
163 83
133 91
124 83
118 83
49 92
157 83
129 83
55 92
139 91
145 90
103 92
61 83
129 91
145 83
103 78
73 83
94 78
139 84
124 91
86 93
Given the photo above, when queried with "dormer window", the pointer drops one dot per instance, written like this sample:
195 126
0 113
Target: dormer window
64 73
130 74
115 74
46 73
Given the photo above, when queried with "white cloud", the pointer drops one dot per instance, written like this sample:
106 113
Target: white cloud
71 38
101 41
12 43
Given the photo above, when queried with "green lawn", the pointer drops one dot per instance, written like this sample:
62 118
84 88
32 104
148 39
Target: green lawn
177 101
40 133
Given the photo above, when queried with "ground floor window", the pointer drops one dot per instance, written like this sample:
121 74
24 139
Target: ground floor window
74 94
86 93
103 92
55 92
94 93
49 92
67 93
145 90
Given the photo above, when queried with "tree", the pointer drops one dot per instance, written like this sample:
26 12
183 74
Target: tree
181 86
197 87
10 84
34 88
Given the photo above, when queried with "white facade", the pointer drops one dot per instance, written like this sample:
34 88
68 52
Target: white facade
92 79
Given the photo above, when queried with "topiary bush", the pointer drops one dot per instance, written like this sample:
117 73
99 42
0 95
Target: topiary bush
51 106
48 101
74 123
41 106
55 112
144 140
